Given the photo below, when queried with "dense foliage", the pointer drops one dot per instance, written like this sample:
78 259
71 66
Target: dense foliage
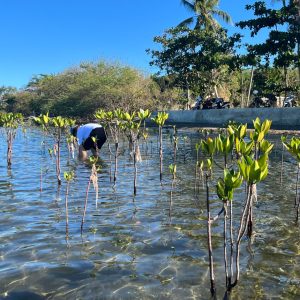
80 91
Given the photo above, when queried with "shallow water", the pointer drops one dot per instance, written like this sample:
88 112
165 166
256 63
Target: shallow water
130 248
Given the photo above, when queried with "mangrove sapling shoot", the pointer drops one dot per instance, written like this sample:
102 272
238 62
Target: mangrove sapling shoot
184 147
209 148
145 137
71 146
175 144
92 179
294 148
242 228
116 160
199 175
10 122
252 171
197 146
68 177
133 128
261 148
143 115
225 205
112 120
283 139
225 189
95 168
110 162
224 144
160 120
135 168
160 154
209 240
60 124
173 169
231 243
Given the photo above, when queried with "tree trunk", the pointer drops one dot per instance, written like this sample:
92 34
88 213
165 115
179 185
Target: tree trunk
285 82
216 91
188 93
250 86
242 90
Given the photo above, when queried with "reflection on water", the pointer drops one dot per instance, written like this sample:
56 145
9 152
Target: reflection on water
129 249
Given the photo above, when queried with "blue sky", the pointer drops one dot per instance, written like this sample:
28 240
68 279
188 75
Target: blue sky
48 36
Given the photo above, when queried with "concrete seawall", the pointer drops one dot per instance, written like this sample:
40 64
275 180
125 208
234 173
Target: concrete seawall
287 118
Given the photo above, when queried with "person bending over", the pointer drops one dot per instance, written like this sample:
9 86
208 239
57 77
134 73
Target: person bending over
84 135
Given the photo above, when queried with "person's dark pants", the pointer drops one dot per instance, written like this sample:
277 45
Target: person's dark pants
99 134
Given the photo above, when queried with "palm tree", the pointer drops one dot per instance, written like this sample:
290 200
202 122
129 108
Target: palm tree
204 12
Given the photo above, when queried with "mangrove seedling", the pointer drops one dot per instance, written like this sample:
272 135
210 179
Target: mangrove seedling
10 122
224 145
198 166
59 124
283 139
160 120
259 133
175 143
111 120
209 148
69 176
145 135
173 170
261 148
243 148
225 189
71 142
143 115
252 171
132 128
94 180
294 148
208 173
185 138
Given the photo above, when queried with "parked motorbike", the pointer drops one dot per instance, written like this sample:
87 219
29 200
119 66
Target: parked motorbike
289 101
212 103
268 101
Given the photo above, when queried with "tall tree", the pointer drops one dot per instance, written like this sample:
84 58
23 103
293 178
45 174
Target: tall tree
205 12
281 48
197 57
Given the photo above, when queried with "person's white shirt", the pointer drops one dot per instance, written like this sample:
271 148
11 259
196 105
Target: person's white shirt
84 131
